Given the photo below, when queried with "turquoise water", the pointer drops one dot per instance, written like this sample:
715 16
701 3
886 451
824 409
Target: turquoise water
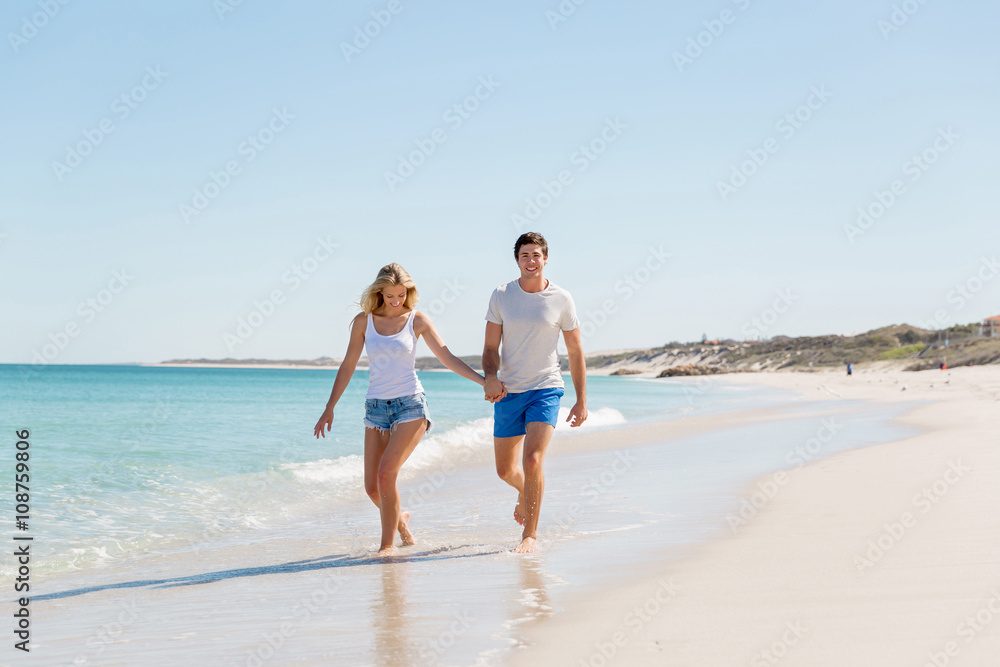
129 459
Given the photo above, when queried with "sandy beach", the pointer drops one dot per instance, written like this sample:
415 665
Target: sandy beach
885 555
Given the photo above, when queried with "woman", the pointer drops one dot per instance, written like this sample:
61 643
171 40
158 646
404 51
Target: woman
396 415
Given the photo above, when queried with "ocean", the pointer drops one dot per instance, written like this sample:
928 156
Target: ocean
127 460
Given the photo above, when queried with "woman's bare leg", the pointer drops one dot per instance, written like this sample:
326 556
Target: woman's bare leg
402 441
375 444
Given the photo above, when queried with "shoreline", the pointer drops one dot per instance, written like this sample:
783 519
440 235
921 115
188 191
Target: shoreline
461 568
869 556
653 536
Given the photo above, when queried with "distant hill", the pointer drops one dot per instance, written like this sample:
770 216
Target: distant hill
914 348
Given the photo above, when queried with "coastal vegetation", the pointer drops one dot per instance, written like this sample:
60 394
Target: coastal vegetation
911 347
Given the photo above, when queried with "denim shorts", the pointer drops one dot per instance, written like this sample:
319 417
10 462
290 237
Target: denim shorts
512 413
385 414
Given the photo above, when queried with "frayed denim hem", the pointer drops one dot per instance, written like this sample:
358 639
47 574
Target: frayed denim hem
380 429
369 424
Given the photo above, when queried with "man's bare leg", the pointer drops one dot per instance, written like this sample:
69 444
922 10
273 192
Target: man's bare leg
508 455
536 442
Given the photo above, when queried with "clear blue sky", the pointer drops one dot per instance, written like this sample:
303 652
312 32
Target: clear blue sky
199 82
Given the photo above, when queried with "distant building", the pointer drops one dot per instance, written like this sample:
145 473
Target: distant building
990 326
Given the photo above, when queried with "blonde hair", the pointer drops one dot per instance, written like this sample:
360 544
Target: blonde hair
389 275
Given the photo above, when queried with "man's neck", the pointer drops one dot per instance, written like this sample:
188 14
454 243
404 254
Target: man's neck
533 285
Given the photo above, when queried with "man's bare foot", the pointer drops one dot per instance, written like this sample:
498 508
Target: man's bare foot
404 529
526 546
519 510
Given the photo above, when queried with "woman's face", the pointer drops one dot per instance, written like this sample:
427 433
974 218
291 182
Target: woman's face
394 296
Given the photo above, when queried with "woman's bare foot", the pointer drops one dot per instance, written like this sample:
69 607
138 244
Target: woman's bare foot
387 551
519 510
526 546
404 529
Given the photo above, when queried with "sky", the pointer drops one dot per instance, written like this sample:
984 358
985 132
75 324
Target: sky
201 179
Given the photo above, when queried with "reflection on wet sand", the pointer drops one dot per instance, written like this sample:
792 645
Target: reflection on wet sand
533 600
391 645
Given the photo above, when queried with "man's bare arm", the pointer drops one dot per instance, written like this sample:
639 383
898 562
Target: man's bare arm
578 372
491 361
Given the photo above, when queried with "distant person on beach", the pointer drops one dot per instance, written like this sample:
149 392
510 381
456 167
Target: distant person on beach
850 369
523 323
396 414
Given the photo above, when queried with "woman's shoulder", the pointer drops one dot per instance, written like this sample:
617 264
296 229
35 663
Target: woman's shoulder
420 319
359 320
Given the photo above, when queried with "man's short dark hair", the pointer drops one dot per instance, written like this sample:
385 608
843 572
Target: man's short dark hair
531 238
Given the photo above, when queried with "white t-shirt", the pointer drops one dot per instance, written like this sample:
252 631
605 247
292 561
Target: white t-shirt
531 325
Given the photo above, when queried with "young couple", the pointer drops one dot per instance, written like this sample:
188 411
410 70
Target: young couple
522 380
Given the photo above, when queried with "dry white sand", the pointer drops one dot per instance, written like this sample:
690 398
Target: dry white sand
886 555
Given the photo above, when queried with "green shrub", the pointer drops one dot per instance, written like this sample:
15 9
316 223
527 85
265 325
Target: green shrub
900 352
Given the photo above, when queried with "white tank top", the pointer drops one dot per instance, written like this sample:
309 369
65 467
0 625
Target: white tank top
390 362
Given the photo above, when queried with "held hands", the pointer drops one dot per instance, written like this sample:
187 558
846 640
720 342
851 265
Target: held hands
494 389
325 420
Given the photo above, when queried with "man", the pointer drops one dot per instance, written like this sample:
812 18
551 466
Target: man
523 322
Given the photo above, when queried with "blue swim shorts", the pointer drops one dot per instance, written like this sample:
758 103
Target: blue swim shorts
385 414
514 411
